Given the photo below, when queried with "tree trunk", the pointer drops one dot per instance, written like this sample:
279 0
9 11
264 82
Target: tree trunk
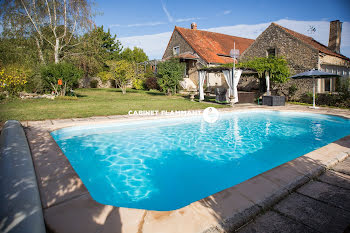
123 89
40 52
57 46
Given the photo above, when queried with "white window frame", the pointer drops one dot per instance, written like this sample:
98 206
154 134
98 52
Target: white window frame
175 49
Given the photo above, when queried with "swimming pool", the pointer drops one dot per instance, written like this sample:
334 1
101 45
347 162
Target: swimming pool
166 164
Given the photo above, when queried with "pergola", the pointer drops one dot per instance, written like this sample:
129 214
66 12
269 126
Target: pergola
231 82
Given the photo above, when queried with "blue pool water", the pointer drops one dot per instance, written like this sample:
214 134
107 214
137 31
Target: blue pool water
170 163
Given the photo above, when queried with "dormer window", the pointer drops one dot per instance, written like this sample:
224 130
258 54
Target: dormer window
176 50
271 52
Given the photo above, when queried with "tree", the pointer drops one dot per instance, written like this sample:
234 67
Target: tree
63 18
170 73
94 49
121 71
66 72
136 55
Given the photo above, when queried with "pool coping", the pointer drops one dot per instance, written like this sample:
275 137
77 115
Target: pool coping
223 211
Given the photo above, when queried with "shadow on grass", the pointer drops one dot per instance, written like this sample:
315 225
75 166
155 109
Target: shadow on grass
155 93
127 91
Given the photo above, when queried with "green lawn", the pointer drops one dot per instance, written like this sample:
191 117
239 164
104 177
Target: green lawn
95 102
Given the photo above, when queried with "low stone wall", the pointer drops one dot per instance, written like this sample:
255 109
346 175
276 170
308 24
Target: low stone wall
86 83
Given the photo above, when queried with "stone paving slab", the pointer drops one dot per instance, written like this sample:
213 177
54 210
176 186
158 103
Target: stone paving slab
336 178
313 213
260 190
327 193
272 222
343 167
81 214
286 176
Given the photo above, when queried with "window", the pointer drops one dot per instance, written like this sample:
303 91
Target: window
176 50
271 52
327 84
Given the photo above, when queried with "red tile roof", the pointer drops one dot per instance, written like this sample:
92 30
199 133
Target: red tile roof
209 44
315 44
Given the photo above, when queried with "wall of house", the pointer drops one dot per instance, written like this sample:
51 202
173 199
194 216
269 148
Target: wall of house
177 40
332 60
300 57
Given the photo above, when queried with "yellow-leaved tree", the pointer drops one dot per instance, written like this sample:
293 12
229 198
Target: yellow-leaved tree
121 71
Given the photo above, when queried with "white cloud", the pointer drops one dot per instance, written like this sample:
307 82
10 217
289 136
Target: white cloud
187 19
154 45
170 18
227 12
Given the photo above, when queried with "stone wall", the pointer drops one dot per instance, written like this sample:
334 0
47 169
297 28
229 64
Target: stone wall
177 40
85 83
300 56
332 60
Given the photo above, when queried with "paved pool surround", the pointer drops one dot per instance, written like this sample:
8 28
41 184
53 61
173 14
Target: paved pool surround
68 206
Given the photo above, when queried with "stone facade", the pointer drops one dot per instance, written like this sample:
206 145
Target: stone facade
300 56
192 65
177 40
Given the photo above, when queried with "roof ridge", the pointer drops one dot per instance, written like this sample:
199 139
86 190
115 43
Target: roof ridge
287 29
330 52
213 32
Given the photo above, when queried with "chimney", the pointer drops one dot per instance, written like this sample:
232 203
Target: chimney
194 26
334 36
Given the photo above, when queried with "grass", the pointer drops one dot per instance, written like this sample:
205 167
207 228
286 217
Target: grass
95 102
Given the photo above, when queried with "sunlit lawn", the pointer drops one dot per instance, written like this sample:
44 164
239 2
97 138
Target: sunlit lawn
95 102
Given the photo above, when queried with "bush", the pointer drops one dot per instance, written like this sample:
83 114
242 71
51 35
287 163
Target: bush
35 83
66 72
341 99
138 84
94 83
170 73
151 83
12 81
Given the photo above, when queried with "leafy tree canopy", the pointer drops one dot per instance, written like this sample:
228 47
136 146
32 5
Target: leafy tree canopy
276 67
121 71
170 73
136 55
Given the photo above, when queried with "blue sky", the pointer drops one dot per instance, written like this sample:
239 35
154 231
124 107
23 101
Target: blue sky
132 18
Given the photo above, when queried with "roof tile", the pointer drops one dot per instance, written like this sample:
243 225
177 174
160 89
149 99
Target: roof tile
209 44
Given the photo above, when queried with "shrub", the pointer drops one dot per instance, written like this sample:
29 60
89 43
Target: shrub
138 84
151 83
12 81
35 83
122 72
94 83
170 73
66 72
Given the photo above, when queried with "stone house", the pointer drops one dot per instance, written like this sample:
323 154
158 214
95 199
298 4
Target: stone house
303 53
198 49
